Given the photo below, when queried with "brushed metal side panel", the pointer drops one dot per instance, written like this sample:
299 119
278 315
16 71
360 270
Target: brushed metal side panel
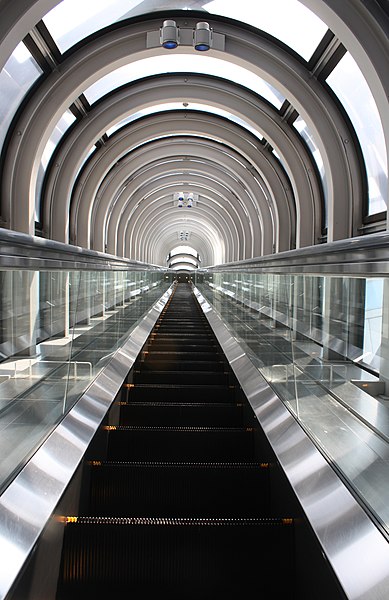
358 256
27 504
22 251
355 548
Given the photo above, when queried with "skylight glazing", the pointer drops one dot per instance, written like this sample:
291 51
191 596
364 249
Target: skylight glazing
289 20
183 63
179 106
181 260
72 20
63 125
88 154
182 266
307 136
351 87
183 250
18 75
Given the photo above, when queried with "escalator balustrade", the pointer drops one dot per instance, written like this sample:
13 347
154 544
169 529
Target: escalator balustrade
182 506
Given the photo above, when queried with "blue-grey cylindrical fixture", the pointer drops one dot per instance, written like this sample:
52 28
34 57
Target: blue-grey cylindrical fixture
202 36
169 34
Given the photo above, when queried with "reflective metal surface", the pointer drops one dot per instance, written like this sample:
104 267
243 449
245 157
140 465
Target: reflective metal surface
18 250
321 344
357 551
364 255
28 502
59 329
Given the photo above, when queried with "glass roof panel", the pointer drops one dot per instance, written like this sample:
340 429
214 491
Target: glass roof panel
306 134
182 266
183 63
72 20
289 20
87 155
16 78
351 87
181 260
63 125
183 250
179 106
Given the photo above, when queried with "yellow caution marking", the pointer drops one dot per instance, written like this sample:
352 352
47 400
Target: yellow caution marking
71 519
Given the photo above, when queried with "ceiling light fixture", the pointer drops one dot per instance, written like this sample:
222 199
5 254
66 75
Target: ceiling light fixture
169 35
202 36
184 199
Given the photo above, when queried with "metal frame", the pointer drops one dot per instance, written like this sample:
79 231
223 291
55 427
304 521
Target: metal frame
364 256
22 251
356 550
244 47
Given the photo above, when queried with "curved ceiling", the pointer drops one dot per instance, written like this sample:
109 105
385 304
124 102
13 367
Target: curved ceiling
116 127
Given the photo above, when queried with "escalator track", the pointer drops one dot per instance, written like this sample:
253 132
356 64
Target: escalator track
181 507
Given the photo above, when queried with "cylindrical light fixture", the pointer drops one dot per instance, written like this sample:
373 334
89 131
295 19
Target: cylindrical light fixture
202 36
169 35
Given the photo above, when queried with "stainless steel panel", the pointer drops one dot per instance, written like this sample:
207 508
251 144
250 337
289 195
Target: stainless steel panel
364 255
357 551
18 250
27 504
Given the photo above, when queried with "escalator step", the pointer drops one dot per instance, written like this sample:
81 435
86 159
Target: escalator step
180 444
180 344
203 335
182 322
185 345
179 414
177 559
202 354
180 332
184 504
177 393
182 377
179 489
160 364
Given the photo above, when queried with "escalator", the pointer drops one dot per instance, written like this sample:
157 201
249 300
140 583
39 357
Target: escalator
182 505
